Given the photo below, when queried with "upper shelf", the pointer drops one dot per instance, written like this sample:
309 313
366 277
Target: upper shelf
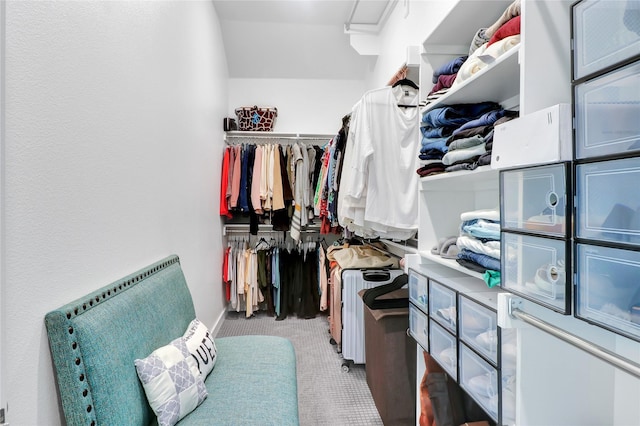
455 32
499 82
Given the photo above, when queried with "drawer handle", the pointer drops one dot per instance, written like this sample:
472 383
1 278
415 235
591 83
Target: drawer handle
553 273
552 199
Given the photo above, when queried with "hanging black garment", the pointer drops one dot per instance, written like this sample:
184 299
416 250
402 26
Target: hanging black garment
317 166
264 279
310 296
289 279
253 217
280 219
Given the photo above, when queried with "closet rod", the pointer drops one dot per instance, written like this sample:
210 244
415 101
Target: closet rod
263 228
276 136
605 355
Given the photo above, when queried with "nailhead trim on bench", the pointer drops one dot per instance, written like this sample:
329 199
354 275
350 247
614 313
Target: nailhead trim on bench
131 281
90 303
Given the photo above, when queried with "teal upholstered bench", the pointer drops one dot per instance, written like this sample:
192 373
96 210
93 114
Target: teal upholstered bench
95 340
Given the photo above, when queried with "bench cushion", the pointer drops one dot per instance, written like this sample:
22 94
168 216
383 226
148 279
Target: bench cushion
253 383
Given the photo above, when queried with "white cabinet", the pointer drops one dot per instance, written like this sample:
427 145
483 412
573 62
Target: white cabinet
528 77
454 318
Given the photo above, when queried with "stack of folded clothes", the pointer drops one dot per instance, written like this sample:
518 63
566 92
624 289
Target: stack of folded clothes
444 76
489 43
439 124
479 240
469 146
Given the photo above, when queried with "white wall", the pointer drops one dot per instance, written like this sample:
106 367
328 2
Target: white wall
317 105
408 25
304 105
112 154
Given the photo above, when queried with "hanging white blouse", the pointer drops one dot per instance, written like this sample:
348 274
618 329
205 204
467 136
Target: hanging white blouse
379 186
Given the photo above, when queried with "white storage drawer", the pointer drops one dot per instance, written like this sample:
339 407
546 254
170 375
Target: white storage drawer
479 328
442 305
606 111
418 327
608 200
534 199
608 288
540 137
444 349
605 32
419 290
480 380
535 268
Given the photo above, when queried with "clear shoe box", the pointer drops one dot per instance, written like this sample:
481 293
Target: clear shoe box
535 268
605 32
607 113
442 305
608 288
608 201
534 199
419 326
479 328
480 380
443 347
419 290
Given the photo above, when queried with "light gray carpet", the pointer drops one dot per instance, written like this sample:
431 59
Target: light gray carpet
326 394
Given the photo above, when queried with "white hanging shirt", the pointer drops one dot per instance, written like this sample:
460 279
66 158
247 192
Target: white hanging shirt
379 187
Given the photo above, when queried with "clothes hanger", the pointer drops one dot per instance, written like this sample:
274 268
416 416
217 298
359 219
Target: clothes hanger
262 240
406 82
410 83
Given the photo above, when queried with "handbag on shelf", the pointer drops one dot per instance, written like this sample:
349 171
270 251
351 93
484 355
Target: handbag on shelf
256 119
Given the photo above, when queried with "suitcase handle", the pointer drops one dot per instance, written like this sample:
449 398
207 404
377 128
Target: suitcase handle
376 276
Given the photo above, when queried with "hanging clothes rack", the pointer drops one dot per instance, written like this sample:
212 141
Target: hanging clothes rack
238 137
243 228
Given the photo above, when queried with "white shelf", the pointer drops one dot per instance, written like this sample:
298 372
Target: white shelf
482 178
450 263
498 82
456 30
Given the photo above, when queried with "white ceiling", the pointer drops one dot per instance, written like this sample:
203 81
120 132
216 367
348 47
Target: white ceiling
295 38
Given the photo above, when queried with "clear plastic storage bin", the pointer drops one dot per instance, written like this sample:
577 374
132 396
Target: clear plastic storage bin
607 111
419 290
442 305
534 199
480 380
608 288
535 268
605 33
444 349
418 326
608 200
478 328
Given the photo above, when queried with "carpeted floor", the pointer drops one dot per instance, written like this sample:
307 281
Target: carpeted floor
327 395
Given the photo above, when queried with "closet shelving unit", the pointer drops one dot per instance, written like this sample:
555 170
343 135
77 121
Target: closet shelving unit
514 80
